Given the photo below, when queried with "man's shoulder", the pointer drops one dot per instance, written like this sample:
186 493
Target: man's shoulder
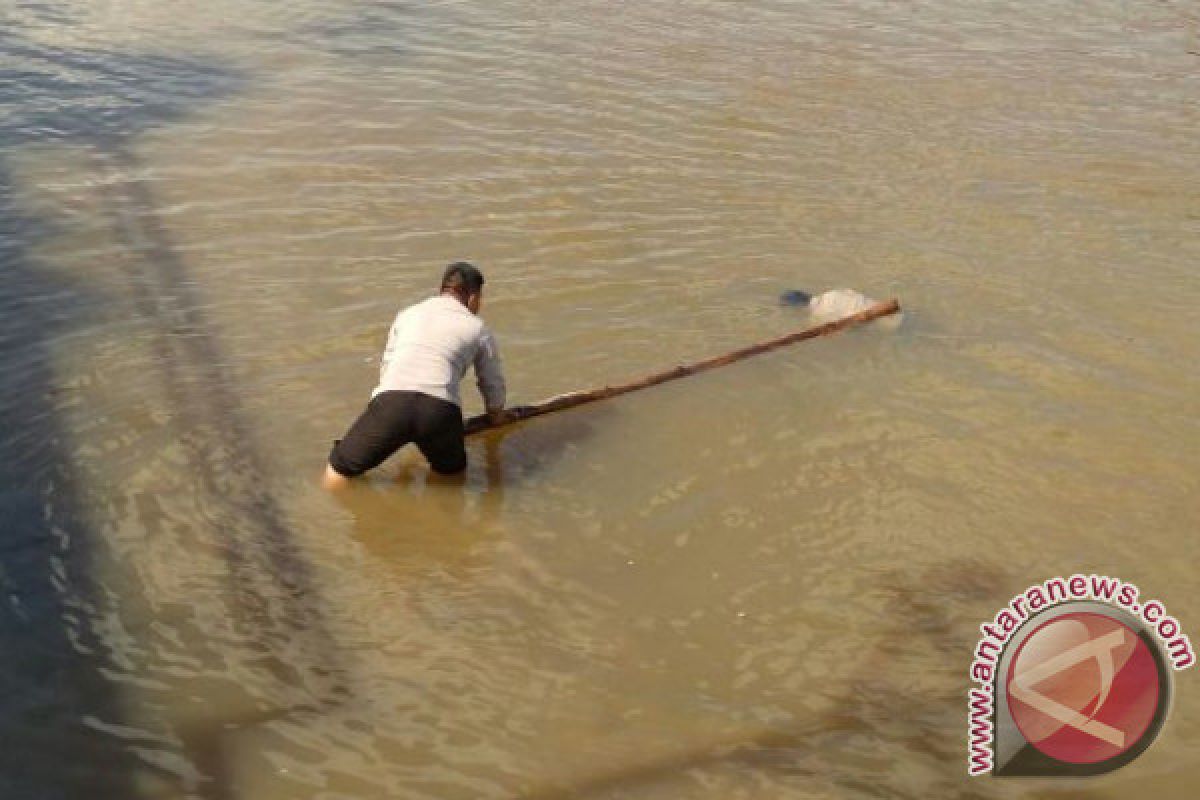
427 302
428 305
449 314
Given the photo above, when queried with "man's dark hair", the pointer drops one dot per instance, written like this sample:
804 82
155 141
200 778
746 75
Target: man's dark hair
463 278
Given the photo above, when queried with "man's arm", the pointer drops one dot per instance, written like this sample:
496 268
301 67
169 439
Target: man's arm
489 373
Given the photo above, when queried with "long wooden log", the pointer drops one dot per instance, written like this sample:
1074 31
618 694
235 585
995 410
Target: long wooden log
572 399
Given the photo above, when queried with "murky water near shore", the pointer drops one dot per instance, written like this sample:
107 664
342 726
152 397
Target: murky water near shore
761 582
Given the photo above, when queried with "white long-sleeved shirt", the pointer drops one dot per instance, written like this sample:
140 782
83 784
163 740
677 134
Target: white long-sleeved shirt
430 346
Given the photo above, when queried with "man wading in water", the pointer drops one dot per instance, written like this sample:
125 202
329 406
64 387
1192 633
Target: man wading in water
429 348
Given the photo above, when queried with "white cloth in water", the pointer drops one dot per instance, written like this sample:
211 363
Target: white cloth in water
838 303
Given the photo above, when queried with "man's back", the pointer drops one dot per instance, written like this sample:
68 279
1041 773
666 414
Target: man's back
430 346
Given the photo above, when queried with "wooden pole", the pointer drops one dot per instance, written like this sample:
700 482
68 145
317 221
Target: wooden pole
571 399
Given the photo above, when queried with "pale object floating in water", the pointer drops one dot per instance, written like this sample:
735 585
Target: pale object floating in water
834 305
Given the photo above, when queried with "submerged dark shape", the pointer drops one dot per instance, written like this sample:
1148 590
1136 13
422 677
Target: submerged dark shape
58 722
795 297
62 705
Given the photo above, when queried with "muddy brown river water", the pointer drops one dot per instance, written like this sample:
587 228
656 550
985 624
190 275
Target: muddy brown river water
761 582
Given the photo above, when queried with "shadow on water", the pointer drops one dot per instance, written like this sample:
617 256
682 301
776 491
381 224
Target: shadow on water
538 446
51 674
884 726
271 594
62 718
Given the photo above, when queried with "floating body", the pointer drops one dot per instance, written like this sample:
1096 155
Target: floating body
832 305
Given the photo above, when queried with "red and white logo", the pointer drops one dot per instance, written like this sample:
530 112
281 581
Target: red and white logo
1074 678
1083 688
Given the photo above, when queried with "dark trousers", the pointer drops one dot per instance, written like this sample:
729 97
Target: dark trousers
394 419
